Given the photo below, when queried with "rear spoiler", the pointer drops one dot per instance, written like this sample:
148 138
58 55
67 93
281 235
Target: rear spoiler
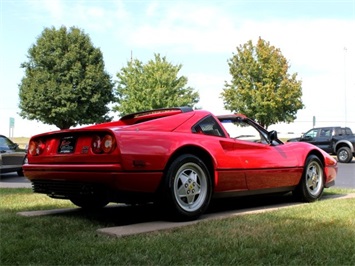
152 114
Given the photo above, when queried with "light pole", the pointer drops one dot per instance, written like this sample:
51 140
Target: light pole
345 100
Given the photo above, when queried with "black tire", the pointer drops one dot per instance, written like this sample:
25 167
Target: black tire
187 188
311 185
90 203
344 155
20 172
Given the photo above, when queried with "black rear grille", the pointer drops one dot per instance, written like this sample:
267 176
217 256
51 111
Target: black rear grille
66 189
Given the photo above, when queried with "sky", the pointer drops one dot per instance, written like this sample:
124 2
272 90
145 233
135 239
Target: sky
316 37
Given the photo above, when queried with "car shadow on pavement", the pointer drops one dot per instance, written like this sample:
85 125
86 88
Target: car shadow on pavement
122 214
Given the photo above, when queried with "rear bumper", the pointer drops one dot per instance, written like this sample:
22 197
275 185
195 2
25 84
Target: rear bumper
31 169
107 176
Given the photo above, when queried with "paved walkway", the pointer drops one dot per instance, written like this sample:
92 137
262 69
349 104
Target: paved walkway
133 229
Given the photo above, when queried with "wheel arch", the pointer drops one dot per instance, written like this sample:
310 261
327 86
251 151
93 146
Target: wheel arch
322 160
344 143
200 152
319 155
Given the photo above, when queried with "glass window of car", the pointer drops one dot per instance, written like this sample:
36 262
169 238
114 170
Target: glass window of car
312 133
6 144
325 132
348 131
241 130
208 126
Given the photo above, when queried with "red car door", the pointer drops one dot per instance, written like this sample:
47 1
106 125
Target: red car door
268 166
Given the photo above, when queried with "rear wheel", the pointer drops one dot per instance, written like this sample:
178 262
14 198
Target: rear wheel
344 155
311 185
188 188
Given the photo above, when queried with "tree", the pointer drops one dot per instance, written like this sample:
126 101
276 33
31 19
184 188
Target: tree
65 83
261 86
153 85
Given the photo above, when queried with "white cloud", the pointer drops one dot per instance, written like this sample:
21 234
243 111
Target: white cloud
152 9
201 29
44 9
54 8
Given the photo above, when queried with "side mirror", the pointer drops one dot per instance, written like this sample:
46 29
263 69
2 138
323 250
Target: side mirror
272 135
14 146
306 138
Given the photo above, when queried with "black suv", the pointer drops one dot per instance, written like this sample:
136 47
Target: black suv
334 140
11 156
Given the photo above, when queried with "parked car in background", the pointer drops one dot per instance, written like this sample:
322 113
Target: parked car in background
12 157
334 140
179 158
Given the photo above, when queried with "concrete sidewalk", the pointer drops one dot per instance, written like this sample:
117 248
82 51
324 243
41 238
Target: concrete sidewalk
120 231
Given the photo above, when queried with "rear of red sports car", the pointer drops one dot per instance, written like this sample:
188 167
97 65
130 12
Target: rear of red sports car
94 165
176 156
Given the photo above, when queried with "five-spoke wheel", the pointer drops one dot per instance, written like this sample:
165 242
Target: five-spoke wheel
312 183
188 187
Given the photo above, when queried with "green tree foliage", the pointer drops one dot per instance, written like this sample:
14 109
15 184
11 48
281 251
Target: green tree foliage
65 83
153 85
261 86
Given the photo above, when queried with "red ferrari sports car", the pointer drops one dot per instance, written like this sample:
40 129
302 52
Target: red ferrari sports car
178 157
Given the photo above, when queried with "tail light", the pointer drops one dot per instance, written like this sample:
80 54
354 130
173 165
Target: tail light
105 144
36 147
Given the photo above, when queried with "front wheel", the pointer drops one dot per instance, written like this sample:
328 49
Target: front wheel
344 155
20 172
311 185
188 188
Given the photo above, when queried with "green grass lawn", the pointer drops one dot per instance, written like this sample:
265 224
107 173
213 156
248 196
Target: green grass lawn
321 233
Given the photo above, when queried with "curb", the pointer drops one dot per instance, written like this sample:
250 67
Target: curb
134 229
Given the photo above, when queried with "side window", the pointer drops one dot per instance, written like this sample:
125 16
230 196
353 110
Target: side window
312 133
243 131
5 143
326 132
208 126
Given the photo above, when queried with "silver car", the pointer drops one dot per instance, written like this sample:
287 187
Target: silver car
11 156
